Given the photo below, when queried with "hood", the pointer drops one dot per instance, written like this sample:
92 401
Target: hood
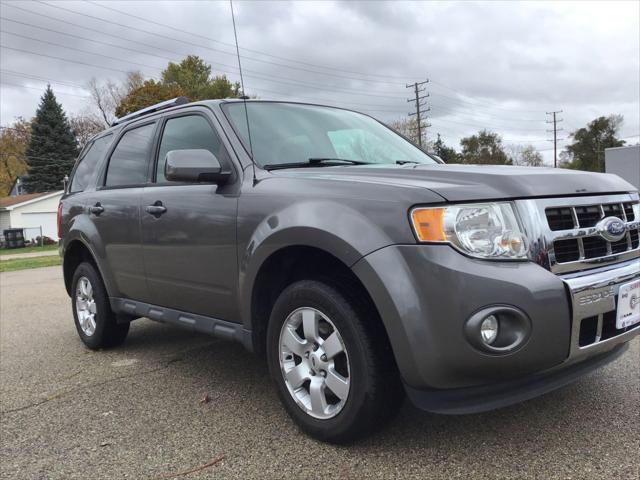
460 183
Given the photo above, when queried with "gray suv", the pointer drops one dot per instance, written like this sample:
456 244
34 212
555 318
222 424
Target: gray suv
360 267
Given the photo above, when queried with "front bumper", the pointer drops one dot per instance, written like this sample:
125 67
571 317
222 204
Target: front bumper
425 294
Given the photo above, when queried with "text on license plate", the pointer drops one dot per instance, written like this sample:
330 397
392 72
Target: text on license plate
628 304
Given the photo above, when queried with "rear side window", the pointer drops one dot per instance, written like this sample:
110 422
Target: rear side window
129 161
88 163
183 133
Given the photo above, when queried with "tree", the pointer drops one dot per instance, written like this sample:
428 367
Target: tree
408 127
448 154
84 127
106 96
526 156
13 161
149 93
484 148
190 78
52 147
587 150
193 76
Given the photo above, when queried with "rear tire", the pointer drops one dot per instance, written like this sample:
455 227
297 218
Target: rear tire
95 321
324 342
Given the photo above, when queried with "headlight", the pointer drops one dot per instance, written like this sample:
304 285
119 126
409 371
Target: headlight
488 230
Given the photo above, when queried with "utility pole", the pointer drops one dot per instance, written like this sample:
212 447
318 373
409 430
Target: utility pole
421 107
555 131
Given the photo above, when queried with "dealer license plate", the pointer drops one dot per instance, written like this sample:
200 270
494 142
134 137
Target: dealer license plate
628 305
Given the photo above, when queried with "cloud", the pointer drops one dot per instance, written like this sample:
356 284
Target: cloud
494 65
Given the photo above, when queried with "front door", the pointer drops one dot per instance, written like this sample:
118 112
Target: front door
189 243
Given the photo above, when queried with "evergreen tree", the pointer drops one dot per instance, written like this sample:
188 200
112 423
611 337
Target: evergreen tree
52 147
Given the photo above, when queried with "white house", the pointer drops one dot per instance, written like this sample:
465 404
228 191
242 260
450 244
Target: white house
32 212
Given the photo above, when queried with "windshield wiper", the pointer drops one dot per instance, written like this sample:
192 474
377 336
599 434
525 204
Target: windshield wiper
315 162
404 162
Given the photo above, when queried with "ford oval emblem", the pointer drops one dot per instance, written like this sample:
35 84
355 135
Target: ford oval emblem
611 229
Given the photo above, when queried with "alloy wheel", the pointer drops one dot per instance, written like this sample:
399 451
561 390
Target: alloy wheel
314 363
86 306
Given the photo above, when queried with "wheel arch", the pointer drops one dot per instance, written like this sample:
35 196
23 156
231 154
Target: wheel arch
77 251
297 262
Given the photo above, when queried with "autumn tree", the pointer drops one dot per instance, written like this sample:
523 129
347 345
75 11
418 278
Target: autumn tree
52 148
13 160
587 150
149 93
484 148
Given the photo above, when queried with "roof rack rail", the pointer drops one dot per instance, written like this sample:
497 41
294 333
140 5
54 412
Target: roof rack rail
153 108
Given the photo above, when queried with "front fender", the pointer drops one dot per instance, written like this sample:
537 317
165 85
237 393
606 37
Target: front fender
326 225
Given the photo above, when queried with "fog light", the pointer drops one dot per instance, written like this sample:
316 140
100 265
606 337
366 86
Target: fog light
498 329
489 329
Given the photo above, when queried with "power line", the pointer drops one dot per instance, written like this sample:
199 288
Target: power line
224 52
326 67
3 83
258 75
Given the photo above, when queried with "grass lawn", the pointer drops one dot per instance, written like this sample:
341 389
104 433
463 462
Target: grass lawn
23 263
11 251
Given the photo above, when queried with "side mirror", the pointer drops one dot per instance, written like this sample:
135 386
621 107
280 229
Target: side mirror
197 165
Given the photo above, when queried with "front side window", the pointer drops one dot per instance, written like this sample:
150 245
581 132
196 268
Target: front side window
88 163
186 133
289 133
129 161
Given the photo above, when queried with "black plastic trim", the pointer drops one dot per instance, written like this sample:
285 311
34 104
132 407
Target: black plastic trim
490 397
191 321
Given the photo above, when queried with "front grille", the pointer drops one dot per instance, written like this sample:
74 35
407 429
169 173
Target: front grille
587 216
578 240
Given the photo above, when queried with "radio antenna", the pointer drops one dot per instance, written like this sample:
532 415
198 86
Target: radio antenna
244 95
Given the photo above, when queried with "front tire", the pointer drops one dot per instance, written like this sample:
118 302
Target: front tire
331 363
95 321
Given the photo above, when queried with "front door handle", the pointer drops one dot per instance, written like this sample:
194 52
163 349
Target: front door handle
156 209
97 209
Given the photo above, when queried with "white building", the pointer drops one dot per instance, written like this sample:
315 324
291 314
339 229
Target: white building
624 162
35 212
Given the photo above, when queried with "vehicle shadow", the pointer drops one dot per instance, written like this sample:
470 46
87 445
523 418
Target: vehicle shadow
569 422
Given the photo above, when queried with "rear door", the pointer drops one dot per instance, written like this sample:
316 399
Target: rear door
115 210
190 249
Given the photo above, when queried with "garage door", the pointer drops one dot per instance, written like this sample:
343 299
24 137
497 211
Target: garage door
47 221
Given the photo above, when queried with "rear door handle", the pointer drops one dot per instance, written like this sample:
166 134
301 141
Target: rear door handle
97 209
156 209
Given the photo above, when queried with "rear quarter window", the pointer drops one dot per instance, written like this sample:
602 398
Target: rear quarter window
88 164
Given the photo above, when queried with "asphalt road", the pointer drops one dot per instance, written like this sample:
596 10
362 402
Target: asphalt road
136 412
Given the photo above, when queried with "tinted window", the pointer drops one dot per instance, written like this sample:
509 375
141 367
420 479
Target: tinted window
88 163
183 133
128 164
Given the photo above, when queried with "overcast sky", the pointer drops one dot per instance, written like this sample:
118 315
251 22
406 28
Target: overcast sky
491 65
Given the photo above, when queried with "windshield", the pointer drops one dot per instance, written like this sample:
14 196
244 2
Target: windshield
288 133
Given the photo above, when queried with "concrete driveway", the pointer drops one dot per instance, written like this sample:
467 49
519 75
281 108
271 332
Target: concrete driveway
137 412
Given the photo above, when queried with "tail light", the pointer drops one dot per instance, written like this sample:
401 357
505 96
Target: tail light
59 220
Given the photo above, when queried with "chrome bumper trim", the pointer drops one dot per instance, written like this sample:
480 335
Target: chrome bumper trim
593 293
